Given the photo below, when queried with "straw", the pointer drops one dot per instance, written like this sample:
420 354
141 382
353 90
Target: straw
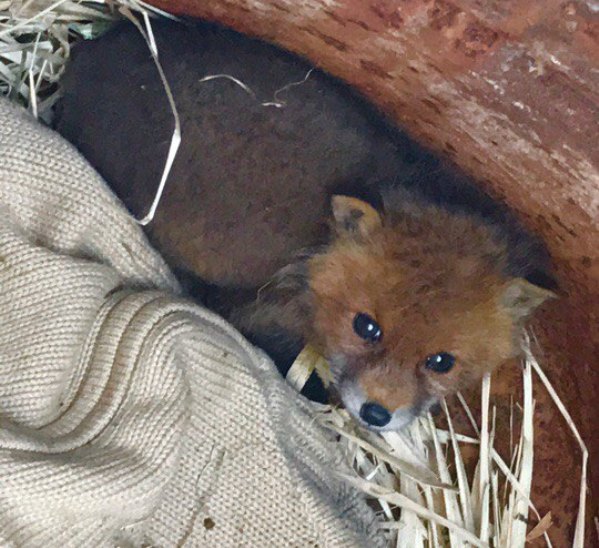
420 470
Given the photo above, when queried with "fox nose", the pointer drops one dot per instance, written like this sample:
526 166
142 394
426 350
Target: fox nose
374 414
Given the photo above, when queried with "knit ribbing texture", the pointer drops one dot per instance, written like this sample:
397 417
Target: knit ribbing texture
128 415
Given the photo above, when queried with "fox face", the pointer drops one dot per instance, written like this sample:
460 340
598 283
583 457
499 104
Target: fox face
411 307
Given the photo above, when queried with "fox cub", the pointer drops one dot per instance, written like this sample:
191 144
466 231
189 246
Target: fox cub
417 286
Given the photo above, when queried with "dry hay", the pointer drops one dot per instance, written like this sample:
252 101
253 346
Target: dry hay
420 470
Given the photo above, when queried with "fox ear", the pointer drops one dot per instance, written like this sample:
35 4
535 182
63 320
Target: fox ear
522 298
354 217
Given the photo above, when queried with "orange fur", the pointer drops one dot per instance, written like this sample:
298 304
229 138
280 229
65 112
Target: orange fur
434 280
251 185
437 285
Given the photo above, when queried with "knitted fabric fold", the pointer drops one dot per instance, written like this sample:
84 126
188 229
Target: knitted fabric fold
129 416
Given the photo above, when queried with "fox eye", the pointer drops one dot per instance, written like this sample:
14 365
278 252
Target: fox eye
440 363
366 328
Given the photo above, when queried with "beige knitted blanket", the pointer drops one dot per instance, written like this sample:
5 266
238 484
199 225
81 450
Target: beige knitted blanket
129 417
